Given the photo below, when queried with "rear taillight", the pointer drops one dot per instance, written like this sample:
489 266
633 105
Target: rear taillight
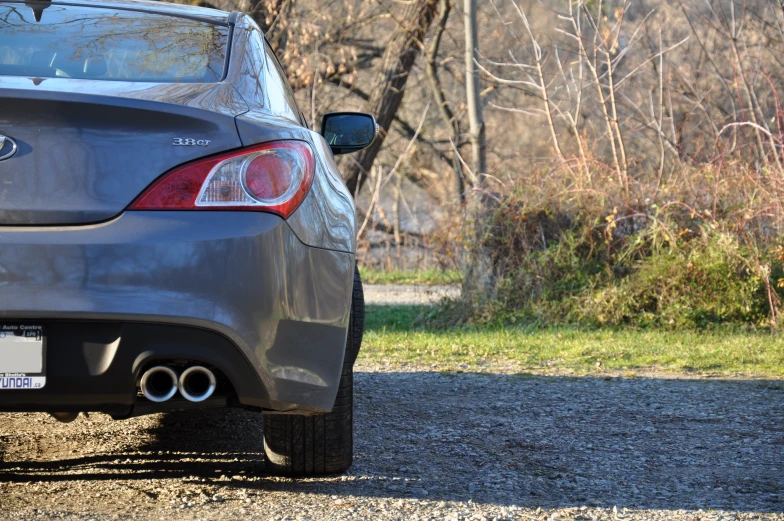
274 177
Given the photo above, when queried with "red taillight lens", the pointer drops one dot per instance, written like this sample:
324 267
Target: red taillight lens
274 177
262 185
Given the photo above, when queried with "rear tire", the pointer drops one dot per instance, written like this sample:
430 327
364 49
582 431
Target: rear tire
323 443
357 326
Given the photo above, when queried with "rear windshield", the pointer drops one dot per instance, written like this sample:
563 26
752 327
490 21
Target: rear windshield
57 41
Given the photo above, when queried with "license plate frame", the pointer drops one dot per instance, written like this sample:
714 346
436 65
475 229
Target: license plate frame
22 356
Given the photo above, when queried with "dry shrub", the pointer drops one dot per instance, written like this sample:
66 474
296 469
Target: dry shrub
698 250
691 283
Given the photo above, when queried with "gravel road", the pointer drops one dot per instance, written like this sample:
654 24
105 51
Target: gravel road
428 446
397 294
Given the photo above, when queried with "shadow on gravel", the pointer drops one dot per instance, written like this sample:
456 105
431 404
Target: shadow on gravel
505 440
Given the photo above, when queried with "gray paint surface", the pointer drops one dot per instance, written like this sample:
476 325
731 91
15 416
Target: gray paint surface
326 218
85 156
242 274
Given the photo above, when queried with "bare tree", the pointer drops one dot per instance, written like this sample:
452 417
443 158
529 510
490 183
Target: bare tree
390 85
479 279
475 115
448 116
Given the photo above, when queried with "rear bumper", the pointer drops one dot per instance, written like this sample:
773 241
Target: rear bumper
235 290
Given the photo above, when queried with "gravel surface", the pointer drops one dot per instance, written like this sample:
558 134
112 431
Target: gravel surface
429 445
398 295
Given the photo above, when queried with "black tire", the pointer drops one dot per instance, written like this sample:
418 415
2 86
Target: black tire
357 327
323 443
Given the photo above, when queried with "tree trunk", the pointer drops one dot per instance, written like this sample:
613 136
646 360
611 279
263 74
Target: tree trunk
390 84
479 281
475 116
443 105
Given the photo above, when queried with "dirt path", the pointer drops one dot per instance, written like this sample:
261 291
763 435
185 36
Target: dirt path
397 294
428 446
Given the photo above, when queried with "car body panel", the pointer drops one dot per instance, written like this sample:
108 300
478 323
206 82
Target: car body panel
252 69
88 148
244 275
218 97
326 218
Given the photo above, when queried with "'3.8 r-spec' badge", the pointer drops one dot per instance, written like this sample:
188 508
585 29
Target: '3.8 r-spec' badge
183 142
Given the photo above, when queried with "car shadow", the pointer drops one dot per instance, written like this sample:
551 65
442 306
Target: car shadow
507 440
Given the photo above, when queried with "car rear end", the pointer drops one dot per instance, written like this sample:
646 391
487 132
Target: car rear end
159 248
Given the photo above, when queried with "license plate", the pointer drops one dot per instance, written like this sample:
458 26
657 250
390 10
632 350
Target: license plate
22 356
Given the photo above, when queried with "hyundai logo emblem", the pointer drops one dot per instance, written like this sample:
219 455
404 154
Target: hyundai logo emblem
7 147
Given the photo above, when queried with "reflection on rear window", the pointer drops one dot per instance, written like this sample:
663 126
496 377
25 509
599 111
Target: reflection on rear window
104 44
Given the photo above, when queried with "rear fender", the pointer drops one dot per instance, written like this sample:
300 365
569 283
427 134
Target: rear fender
326 218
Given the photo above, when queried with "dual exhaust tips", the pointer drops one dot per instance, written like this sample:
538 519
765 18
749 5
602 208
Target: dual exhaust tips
161 383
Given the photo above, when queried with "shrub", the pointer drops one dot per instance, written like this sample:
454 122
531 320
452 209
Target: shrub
693 283
614 260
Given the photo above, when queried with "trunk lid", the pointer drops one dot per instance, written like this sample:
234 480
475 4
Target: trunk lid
88 148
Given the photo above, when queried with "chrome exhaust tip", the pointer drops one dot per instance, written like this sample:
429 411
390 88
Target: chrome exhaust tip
159 383
197 383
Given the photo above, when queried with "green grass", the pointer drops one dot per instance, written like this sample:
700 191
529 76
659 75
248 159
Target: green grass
395 334
429 277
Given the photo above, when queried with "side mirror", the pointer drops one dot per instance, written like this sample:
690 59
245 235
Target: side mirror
347 132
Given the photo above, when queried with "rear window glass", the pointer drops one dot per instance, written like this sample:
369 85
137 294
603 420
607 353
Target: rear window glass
56 41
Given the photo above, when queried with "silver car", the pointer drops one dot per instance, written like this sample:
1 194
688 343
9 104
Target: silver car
172 234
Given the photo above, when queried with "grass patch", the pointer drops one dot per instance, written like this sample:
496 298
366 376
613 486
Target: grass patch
401 334
428 277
